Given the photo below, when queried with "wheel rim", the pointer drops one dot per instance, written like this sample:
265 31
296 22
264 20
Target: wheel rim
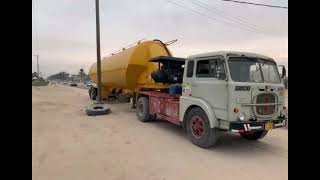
197 126
140 109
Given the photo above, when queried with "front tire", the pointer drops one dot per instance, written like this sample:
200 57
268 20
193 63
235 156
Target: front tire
253 136
198 129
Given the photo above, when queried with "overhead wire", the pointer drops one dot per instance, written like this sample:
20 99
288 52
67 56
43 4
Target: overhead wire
213 18
237 20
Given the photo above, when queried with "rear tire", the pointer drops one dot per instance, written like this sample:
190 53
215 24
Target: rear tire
253 136
198 129
142 109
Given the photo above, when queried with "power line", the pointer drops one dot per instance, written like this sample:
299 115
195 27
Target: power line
210 17
220 13
212 8
257 4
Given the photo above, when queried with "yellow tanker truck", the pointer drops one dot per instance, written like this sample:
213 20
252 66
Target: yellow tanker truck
125 73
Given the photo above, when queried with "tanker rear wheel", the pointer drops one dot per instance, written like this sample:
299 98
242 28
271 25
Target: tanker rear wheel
142 109
93 93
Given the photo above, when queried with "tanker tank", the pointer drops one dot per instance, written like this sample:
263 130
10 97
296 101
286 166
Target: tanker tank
130 71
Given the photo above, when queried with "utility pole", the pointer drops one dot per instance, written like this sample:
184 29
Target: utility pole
98 51
98 108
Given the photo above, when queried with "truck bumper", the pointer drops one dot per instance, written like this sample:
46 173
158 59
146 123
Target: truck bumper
239 127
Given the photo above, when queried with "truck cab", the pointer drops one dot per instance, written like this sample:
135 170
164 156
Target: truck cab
223 91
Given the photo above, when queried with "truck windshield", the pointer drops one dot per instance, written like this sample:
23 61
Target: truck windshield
244 69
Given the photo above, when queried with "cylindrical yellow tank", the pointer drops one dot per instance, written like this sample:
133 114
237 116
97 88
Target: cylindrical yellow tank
131 69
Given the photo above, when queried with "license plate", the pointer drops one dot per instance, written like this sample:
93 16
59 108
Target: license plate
268 125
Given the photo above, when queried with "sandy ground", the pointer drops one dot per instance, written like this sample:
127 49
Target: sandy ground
68 145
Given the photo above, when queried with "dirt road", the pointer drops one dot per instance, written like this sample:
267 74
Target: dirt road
67 144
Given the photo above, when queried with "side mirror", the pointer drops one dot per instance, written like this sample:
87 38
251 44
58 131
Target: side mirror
221 74
283 71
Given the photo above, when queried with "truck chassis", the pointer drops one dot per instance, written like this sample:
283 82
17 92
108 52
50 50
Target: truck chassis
161 105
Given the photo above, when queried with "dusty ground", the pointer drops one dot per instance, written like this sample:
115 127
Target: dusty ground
67 144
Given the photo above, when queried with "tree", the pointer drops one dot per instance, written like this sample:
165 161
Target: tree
62 76
34 74
81 74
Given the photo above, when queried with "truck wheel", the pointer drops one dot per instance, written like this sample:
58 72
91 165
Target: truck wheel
198 129
93 93
256 135
143 109
89 91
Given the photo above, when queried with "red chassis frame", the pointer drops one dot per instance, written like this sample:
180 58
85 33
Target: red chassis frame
163 105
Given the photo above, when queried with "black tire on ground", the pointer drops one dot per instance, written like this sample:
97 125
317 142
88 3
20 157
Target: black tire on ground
256 135
208 136
142 109
97 109
93 93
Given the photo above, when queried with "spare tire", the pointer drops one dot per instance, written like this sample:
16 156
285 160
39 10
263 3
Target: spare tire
97 109
160 76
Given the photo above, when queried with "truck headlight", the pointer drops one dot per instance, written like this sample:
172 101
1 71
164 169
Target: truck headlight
241 116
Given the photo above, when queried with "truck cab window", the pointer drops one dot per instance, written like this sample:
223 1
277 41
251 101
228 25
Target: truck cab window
210 68
270 71
190 68
205 69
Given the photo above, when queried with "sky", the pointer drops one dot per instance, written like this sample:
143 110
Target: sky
63 31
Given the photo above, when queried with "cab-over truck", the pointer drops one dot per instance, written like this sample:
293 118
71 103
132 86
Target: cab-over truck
221 91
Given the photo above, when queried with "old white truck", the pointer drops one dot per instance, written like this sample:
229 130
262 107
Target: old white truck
220 91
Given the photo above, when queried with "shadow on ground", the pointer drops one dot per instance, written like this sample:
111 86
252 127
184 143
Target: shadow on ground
228 143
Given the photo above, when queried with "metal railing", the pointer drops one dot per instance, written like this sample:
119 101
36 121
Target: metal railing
126 47
136 43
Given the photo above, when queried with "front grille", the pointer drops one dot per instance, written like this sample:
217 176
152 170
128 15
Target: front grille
263 99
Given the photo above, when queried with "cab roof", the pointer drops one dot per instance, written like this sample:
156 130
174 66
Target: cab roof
230 53
167 58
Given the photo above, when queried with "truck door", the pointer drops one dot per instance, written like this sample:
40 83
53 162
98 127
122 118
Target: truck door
187 78
209 83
